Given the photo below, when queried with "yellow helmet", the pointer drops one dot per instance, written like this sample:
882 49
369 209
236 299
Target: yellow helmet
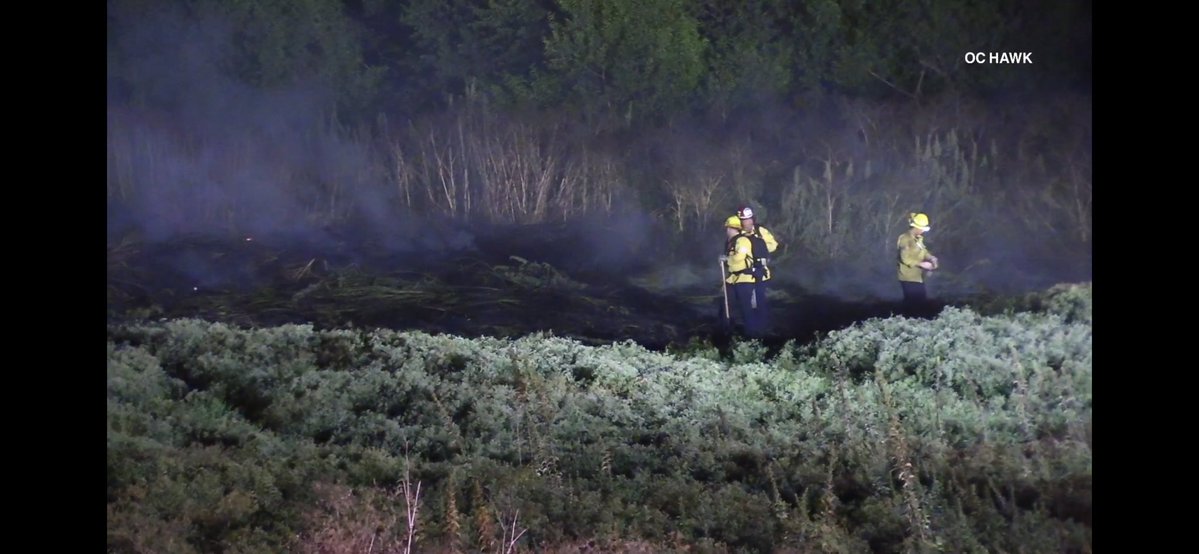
918 220
733 222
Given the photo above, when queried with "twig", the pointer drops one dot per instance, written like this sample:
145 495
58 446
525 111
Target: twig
510 545
411 504
892 85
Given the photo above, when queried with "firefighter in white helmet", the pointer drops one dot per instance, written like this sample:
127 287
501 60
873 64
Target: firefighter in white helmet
750 226
748 254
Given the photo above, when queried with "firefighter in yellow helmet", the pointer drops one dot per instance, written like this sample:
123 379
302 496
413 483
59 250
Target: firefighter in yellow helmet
914 260
748 270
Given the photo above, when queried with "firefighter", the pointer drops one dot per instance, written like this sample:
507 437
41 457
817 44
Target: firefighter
914 261
750 226
748 271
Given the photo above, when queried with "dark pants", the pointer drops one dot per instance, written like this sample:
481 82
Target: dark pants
742 298
915 299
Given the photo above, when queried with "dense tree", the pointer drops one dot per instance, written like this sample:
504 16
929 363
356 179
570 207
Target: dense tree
475 47
639 58
750 57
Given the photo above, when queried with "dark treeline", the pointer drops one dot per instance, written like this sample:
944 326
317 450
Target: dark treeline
835 118
636 63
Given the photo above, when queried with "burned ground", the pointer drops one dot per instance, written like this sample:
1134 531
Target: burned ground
504 282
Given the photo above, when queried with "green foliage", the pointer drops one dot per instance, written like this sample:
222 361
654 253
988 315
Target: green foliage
477 49
898 48
218 435
749 57
634 59
1070 301
696 348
